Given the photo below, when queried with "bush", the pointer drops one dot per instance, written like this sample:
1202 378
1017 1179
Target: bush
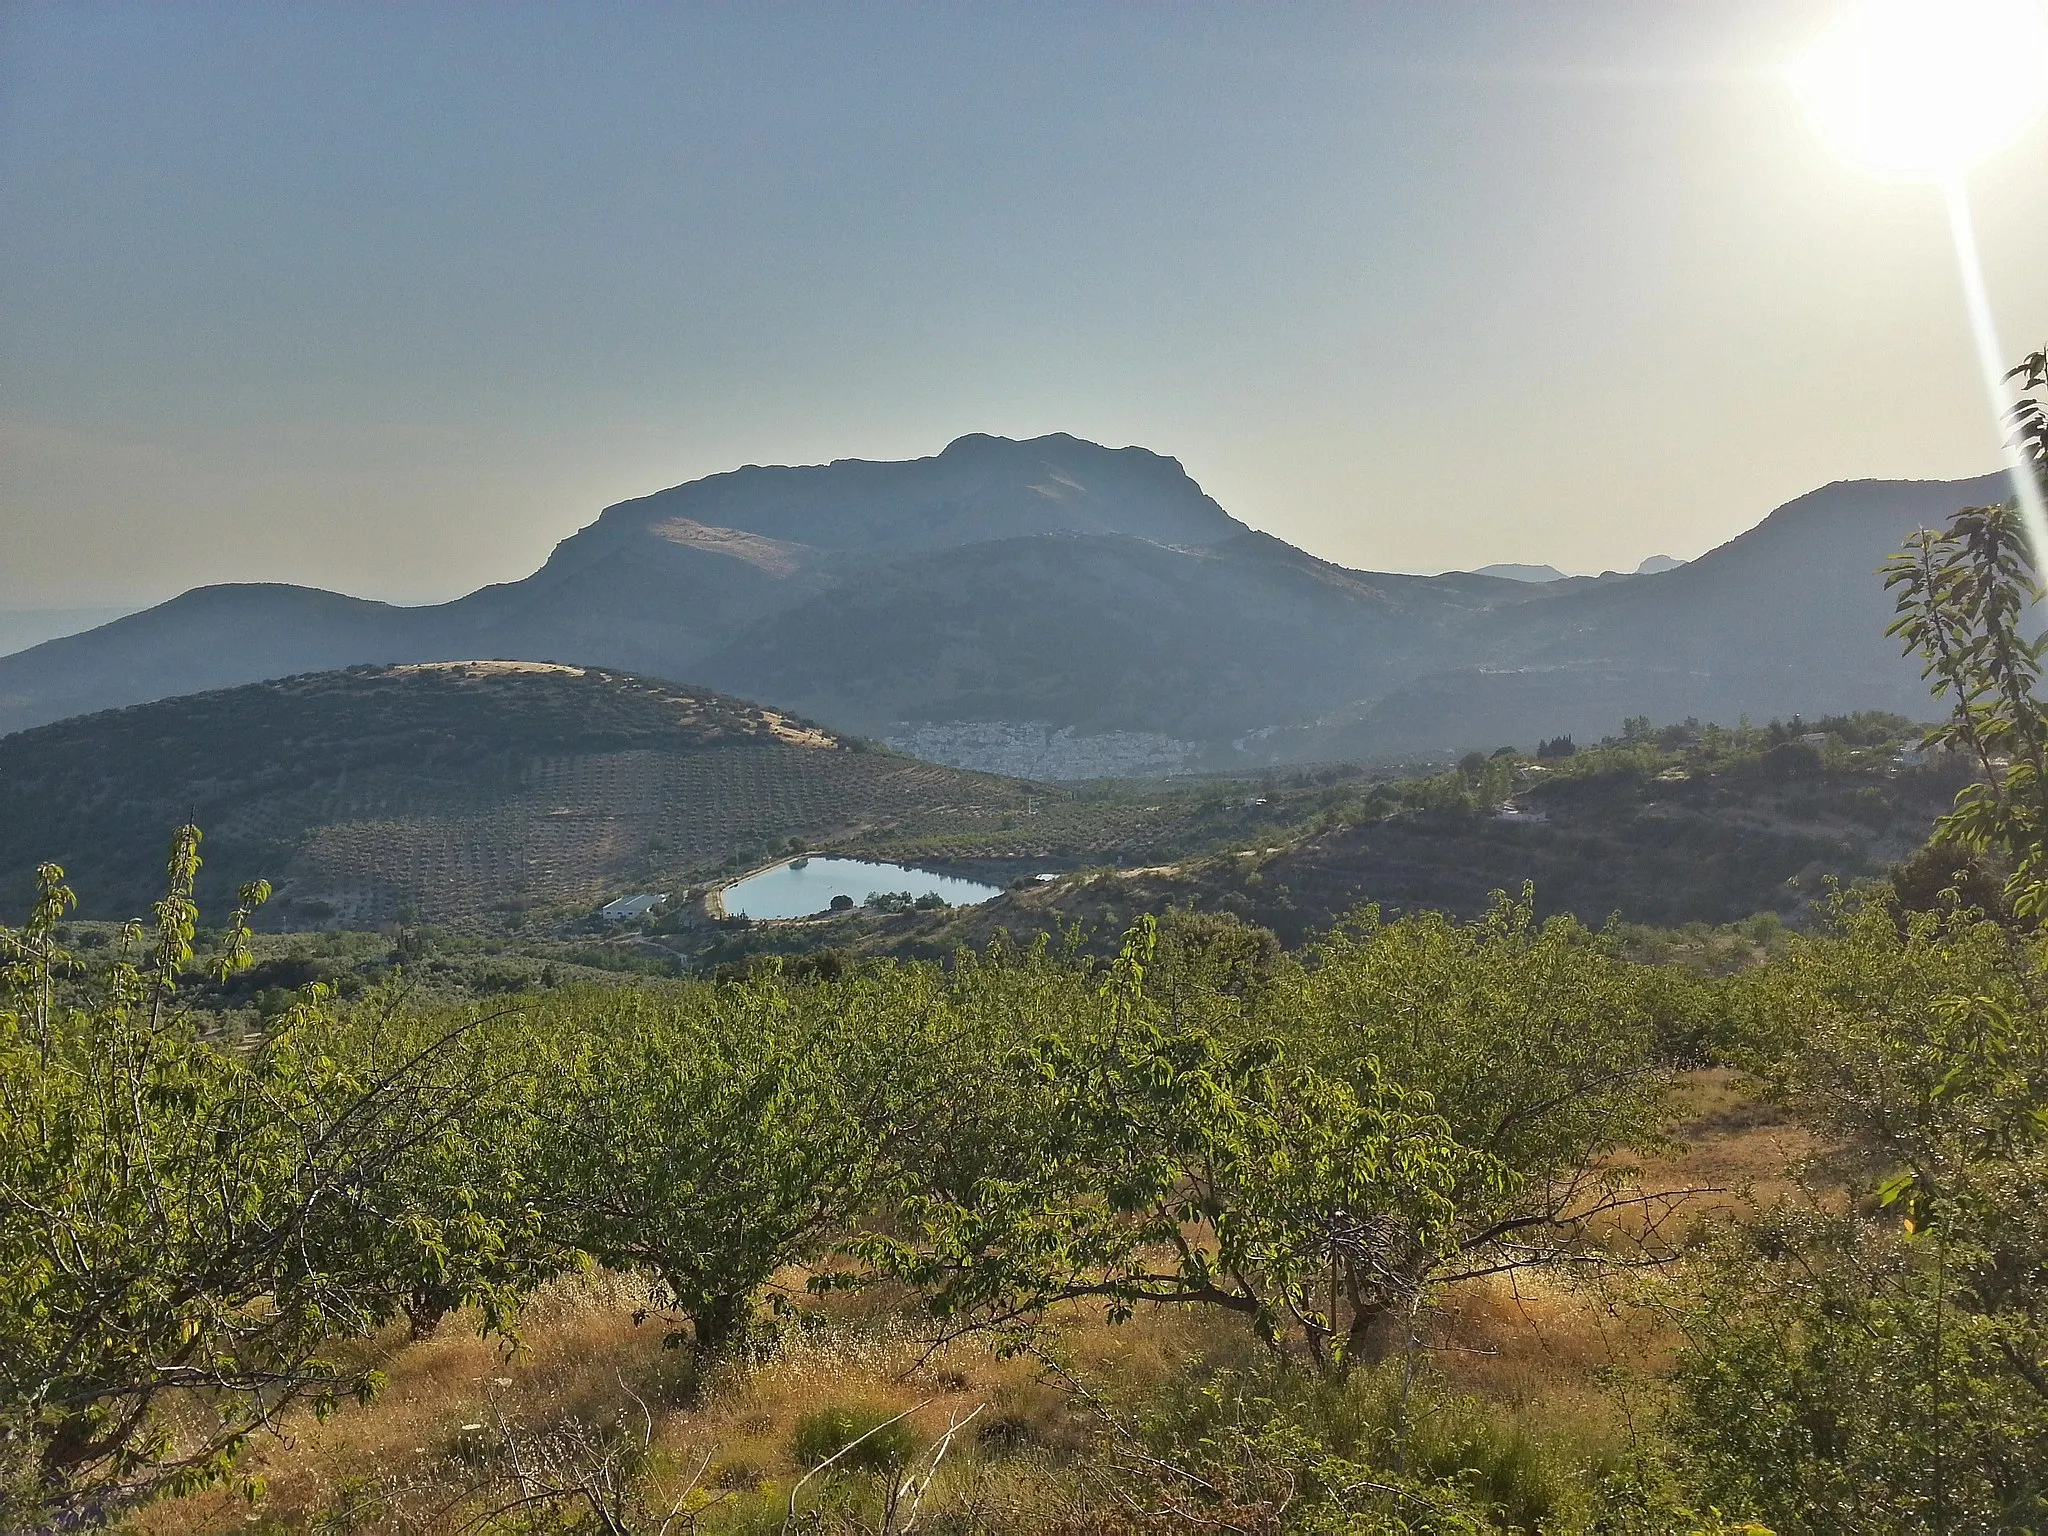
886 1444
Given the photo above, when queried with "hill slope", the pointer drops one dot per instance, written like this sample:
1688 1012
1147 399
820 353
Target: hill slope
1663 850
447 789
1786 618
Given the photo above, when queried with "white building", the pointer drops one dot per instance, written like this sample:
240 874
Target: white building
626 908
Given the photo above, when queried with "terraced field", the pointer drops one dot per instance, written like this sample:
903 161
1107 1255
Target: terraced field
449 791
580 828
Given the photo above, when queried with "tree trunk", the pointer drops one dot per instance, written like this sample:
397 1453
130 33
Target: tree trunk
426 1305
719 1321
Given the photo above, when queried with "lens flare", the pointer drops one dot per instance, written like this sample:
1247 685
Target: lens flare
1927 87
1991 356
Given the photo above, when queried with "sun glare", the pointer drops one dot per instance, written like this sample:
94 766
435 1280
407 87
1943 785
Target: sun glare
1927 87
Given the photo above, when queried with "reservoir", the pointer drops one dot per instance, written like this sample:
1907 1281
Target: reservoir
805 887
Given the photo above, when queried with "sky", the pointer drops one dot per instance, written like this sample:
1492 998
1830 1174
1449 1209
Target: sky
389 299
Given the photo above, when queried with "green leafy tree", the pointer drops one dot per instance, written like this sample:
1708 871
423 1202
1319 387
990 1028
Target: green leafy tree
710 1136
181 1224
455 1218
1541 1053
1140 1163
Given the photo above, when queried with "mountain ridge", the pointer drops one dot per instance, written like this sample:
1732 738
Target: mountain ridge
1061 586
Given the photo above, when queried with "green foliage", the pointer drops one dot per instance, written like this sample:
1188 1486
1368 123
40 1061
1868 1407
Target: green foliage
1838 1382
1966 596
1203 955
2029 416
33 961
1885 1365
1391 1449
1478 783
1537 1047
1153 1164
1528 1037
185 1229
712 1135
856 1439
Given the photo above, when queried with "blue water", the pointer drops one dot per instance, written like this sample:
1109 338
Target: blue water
806 887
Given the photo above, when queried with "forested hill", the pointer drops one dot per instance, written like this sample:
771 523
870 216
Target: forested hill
444 789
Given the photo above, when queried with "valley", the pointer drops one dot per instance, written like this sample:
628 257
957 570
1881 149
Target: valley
466 821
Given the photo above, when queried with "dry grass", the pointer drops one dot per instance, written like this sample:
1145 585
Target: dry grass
427 1455
1730 1144
430 1453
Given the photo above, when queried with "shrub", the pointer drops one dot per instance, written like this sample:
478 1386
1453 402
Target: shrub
863 1438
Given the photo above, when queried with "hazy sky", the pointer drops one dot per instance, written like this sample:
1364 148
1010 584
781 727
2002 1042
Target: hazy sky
389 298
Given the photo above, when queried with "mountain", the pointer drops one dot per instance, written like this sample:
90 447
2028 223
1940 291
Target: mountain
210 637
1522 572
449 789
1786 618
21 628
1653 564
1054 581
1082 610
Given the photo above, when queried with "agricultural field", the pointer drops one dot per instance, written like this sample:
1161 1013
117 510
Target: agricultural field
446 793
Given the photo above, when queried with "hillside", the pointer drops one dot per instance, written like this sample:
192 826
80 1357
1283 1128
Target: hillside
1622 845
446 790
1786 618
1712 827
1068 610
1104 633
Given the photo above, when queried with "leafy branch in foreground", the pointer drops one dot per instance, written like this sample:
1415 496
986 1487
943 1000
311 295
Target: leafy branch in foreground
1878 1359
1966 600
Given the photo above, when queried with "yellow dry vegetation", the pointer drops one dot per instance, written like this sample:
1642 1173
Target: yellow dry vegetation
490 668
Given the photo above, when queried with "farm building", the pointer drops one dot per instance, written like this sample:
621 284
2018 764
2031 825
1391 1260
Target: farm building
626 908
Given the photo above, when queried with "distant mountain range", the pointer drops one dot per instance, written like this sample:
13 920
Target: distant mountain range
1650 567
21 628
1055 607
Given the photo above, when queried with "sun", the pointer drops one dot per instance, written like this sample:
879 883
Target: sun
1927 87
